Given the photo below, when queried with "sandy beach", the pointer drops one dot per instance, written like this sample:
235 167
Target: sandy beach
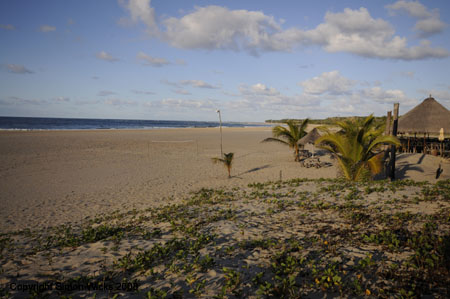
53 177
146 213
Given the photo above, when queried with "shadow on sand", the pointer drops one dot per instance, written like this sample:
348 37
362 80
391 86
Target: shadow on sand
255 169
402 167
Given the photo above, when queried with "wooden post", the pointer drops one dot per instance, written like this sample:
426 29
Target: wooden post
387 131
393 148
424 144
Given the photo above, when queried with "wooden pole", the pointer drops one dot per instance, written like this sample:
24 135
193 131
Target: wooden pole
387 131
393 148
221 148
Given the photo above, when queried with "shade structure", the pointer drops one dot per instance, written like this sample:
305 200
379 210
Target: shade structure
426 118
311 137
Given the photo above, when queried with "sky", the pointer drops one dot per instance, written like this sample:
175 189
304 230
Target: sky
253 60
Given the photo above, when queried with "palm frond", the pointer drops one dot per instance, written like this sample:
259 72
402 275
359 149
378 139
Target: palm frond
271 139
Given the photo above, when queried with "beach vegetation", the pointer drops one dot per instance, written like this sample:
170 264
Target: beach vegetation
289 136
226 160
291 247
357 147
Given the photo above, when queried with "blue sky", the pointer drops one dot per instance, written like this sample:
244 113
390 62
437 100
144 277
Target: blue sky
253 60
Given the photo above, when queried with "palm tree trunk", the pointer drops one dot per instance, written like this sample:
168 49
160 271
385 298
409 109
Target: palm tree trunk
296 153
229 172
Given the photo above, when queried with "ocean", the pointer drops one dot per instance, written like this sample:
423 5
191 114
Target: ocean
40 123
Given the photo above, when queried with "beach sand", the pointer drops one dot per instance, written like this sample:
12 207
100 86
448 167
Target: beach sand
72 195
53 177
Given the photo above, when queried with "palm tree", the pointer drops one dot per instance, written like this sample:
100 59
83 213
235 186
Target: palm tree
357 147
227 161
291 135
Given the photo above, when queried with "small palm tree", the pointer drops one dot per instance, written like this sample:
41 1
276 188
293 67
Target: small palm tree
227 161
289 136
357 147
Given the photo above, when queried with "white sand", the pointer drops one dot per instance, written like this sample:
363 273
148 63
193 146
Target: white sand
54 177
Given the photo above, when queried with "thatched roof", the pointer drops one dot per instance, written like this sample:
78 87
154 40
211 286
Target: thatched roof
311 137
427 117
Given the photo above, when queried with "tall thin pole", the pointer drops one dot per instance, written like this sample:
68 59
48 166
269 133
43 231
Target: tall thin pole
393 147
220 120
387 149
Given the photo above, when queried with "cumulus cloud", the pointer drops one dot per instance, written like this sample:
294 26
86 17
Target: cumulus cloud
106 56
428 27
356 32
260 96
152 61
140 11
198 84
18 69
215 27
329 82
384 96
352 31
47 28
428 22
258 89
7 26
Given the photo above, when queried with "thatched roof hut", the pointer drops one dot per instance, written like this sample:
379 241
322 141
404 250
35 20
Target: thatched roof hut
311 137
426 118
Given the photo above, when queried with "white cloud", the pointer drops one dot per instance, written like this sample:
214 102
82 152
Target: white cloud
182 91
143 92
61 99
329 82
384 96
47 28
413 8
106 56
140 11
152 61
18 69
104 93
170 83
258 89
119 102
353 31
198 84
428 22
189 104
429 27
7 26
215 27
356 32
262 97
21 101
